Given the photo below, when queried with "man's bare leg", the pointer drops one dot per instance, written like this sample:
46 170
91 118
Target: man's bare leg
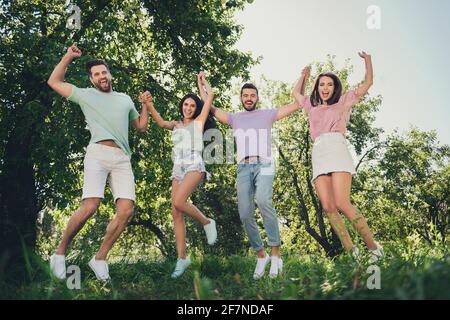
124 211
77 221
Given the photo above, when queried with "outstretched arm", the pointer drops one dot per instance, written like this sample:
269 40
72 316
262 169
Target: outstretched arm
207 95
56 80
218 113
147 101
298 88
201 85
368 81
141 122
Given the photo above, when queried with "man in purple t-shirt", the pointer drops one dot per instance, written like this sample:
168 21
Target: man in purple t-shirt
255 174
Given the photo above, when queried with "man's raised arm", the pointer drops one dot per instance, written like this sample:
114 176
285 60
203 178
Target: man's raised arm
56 80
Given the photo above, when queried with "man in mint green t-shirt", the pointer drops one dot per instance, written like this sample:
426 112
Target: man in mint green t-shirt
108 115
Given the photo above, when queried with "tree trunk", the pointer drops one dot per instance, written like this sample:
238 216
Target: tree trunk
18 200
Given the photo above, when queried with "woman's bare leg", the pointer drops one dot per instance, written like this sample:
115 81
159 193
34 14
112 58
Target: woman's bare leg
341 184
325 192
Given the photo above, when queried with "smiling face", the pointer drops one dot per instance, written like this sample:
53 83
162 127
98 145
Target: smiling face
101 78
326 88
249 98
189 106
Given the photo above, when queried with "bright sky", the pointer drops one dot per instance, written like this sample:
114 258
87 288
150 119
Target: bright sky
410 51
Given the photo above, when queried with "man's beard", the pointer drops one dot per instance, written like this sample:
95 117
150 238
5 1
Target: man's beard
250 109
107 89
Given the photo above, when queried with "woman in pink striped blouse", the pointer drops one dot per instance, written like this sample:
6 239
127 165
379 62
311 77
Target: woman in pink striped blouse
329 112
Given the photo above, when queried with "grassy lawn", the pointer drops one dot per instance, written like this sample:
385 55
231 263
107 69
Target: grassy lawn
404 274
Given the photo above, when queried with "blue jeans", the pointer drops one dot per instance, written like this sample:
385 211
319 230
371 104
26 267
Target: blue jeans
256 180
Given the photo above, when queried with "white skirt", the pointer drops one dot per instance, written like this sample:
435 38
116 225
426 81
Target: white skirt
330 154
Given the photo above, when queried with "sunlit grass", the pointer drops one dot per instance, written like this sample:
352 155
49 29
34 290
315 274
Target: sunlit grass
422 274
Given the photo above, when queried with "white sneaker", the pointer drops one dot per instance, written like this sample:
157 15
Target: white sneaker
180 267
261 267
100 268
276 266
376 254
58 266
211 231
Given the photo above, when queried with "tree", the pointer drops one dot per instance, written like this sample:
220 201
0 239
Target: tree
158 45
407 182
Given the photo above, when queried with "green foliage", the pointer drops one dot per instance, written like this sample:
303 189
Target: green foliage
390 171
404 185
412 269
401 186
154 45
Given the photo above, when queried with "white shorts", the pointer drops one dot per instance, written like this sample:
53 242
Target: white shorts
103 162
330 154
192 162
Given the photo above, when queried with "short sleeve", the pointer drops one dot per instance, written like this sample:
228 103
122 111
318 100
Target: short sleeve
133 114
350 98
306 103
76 95
231 118
272 114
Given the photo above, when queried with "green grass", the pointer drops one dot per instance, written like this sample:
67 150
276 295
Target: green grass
422 273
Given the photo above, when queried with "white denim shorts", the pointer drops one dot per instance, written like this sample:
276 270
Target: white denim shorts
330 154
102 163
192 162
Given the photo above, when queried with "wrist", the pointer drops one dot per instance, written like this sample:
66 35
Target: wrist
67 59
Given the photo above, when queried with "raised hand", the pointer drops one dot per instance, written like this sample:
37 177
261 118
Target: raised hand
306 72
201 78
364 55
300 86
368 80
73 52
203 83
56 80
146 98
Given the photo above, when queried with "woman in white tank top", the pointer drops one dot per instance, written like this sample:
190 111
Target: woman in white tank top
189 168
